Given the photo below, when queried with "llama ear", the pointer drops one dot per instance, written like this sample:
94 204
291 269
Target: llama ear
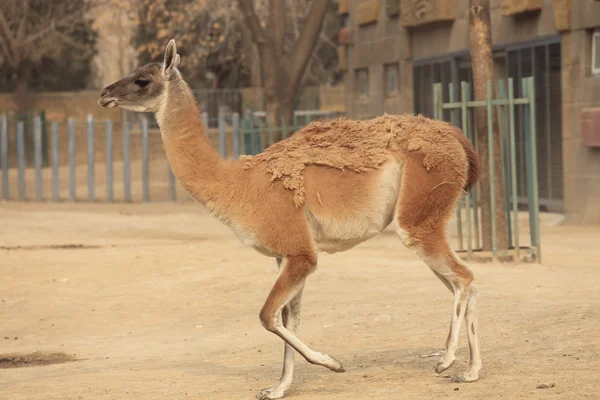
171 57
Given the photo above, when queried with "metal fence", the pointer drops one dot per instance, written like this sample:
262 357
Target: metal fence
461 114
103 161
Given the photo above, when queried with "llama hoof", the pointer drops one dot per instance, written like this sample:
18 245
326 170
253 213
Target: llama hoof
442 366
270 394
328 362
335 365
466 377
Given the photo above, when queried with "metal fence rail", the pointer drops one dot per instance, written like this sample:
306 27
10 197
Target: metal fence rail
103 161
506 107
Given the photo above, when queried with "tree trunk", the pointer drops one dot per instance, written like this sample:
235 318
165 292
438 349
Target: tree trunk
22 90
480 46
279 107
281 72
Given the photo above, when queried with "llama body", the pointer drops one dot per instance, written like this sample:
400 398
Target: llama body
328 188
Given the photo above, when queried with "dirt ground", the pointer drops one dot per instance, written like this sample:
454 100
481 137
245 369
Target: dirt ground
160 301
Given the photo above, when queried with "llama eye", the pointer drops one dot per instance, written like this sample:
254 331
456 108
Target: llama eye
142 83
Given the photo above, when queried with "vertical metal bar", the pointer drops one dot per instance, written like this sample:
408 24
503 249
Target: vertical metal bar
54 161
533 193
492 166
72 176
145 163
283 128
37 154
21 158
436 100
222 144
126 161
4 155
109 161
270 129
244 140
465 124
260 137
505 164
205 120
523 181
513 167
235 122
473 138
548 122
451 98
90 157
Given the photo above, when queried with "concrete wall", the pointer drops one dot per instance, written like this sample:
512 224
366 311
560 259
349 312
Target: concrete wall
581 90
386 40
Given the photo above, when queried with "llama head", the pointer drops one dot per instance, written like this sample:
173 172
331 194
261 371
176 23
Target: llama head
144 88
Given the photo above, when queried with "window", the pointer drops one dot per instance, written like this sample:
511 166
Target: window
596 52
362 82
390 75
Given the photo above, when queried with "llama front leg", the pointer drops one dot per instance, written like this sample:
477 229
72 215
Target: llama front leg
289 284
291 320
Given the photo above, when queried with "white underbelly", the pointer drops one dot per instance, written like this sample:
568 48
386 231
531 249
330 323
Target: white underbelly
334 232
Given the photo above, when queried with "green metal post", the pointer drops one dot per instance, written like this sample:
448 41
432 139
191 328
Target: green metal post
283 128
243 126
453 121
437 106
513 166
270 129
532 175
505 165
261 137
473 138
492 171
465 124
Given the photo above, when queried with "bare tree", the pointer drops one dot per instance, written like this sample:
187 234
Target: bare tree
480 46
282 67
34 31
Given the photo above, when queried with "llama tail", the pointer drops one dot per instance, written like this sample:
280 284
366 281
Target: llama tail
472 159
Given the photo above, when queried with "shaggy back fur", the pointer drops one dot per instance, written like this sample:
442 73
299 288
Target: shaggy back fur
367 144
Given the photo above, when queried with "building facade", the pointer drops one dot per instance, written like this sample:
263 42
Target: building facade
393 51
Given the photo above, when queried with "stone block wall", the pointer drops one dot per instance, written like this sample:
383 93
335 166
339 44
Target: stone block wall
581 90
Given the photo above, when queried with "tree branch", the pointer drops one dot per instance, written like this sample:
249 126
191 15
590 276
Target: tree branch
276 27
9 57
23 23
252 22
292 7
305 44
6 29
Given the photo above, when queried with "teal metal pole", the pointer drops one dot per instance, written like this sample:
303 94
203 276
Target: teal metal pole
533 194
492 171
473 138
465 124
37 147
270 131
283 128
513 166
459 229
436 101
505 164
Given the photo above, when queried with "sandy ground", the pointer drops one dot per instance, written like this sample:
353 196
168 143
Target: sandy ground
162 303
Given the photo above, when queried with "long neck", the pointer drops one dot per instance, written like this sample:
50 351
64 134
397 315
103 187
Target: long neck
199 168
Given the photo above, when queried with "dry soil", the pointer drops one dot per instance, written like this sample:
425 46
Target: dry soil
160 301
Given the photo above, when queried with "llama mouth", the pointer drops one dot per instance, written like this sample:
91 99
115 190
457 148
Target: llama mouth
107 103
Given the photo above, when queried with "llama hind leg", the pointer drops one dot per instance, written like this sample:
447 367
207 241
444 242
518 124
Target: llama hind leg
472 374
437 254
427 201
